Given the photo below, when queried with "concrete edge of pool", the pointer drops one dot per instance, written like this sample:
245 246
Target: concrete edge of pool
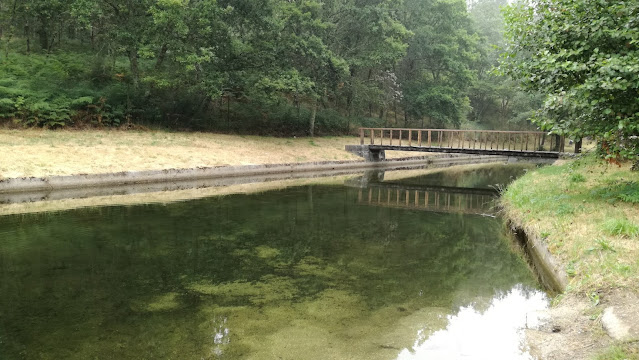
27 184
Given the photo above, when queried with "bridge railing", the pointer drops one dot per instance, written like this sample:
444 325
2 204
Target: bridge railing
531 141
427 200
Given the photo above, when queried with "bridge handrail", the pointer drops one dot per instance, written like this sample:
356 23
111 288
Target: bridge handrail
460 130
506 138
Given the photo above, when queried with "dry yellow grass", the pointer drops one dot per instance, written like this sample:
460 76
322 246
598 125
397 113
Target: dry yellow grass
44 153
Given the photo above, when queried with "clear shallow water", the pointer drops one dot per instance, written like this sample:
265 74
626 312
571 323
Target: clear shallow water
302 273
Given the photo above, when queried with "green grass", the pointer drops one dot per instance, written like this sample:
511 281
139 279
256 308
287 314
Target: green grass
619 352
616 190
620 227
586 213
577 178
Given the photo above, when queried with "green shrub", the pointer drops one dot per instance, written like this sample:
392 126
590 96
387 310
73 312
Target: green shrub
619 191
577 178
620 227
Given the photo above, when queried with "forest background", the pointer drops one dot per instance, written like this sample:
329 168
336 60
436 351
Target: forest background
277 67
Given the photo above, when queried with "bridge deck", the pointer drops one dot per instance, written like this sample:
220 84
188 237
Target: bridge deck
480 142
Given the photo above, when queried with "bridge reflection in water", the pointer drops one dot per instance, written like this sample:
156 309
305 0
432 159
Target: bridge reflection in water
430 198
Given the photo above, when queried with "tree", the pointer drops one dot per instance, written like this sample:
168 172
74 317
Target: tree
584 55
436 71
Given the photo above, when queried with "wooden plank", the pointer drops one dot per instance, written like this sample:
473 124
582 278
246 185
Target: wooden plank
391 137
416 198
400 137
426 199
410 137
428 138
526 142
475 139
372 136
419 138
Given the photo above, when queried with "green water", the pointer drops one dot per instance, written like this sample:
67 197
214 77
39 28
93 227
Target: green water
302 273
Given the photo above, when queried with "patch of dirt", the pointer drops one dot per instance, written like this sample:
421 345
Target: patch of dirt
575 328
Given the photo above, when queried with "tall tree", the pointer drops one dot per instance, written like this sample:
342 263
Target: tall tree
436 72
585 56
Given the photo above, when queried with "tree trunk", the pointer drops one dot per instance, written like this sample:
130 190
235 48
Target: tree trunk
28 36
135 70
13 17
43 35
395 113
161 56
578 144
311 123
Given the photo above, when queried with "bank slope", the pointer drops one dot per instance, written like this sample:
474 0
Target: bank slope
587 213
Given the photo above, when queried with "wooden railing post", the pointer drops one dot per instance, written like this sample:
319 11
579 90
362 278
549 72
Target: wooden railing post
428 138
419 138
361 136
372 136
410 137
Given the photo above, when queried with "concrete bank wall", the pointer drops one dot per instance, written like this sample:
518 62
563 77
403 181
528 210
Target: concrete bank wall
34 184
549 271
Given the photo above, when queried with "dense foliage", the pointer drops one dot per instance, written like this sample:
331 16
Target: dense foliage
585 56
261 66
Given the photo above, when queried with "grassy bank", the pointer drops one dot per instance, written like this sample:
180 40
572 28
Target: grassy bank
38 152
587 212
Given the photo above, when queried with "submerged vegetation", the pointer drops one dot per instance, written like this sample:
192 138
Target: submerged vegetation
301 272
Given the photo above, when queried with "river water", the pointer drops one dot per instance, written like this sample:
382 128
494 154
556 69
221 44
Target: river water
380 267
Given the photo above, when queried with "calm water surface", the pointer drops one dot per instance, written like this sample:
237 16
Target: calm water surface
313 272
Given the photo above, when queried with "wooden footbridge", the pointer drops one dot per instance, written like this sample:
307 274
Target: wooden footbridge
375 141
434 199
